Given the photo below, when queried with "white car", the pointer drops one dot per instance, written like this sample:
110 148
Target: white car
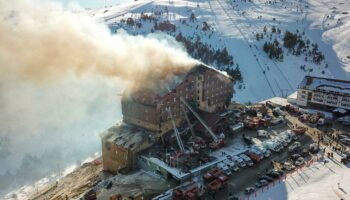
231 164
239 161
247 160
224 168
265 151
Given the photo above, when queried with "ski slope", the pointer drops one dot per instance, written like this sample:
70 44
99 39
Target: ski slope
235 24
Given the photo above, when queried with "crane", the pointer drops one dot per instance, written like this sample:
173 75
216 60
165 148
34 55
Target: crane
216 140
188 121
177 134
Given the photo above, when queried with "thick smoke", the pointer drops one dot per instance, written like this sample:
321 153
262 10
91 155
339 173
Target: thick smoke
60 75
41 41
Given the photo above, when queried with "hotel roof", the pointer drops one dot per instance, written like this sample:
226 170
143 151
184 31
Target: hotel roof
327 84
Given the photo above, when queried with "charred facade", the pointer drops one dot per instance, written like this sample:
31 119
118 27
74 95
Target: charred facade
205 88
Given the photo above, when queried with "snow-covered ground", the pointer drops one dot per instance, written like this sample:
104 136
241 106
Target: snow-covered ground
234 26
319 181
236 23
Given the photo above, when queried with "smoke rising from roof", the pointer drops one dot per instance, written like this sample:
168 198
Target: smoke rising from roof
40 40
59 78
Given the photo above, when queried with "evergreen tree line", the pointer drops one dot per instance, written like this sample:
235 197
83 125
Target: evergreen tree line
273 50
208 55
295 43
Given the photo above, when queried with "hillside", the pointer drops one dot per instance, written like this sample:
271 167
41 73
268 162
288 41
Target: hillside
208 27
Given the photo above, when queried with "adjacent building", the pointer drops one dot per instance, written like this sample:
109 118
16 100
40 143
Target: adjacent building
205 88
325 92
120 144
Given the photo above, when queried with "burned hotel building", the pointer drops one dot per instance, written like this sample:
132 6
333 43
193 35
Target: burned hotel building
148 113
205 88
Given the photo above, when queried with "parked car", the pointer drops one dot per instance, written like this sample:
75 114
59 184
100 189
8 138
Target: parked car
295 147
239 161
278 120
224 168
253 156
264 182
247 160
286 137
300 161
273 174
304 152
344 120
262 133
295 156
264 177
273 146
278 112
313 148
257 152
288 166
249 190
248 140
264 151
231 165
345 141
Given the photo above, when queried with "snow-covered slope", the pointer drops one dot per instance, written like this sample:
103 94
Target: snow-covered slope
319 181
234 25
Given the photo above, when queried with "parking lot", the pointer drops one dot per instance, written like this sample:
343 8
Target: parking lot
248 176
291 141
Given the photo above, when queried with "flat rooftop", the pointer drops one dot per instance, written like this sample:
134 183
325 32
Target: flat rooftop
126 136
332 85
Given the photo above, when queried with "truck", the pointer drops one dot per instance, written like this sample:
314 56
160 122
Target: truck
212 174
237 127
189 192
253 156
218 183
215 179
299 130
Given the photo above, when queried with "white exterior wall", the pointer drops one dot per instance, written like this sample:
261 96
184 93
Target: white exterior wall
323 98
302 97
331 100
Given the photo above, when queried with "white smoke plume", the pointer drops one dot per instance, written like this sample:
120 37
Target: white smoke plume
60 75
40 40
